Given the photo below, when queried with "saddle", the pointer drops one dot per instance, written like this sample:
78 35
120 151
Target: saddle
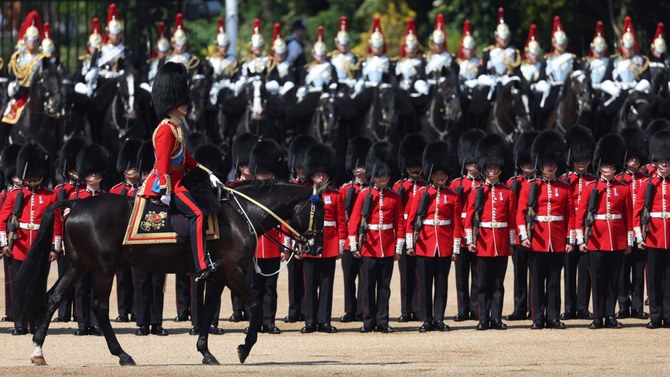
15 109
152 222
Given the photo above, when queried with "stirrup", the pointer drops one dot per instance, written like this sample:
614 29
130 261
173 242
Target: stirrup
204 275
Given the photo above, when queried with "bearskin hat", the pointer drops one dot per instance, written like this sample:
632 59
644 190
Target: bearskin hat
32 159
657 125
67 157
357 150
213 158
267 157
169 90
146 157
92 159
659 146
580 143
492 150
437 156
196 140
637 143
549 147
611 149
467 144
521 149
8 161
380 160
241 149
127 158
410 151
319 158
297 149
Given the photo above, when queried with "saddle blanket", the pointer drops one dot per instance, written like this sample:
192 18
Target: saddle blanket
153 223
14 110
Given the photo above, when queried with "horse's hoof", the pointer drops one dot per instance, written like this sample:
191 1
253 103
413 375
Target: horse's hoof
243 353
126 361
210 360
38 360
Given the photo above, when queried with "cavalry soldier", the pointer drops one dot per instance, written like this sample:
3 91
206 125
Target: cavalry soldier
490 230
410 67
604 225
559 63
24 62
158 57
319 270
20 218
11 182
658 62
631 282
256 63
545 220
577 281
341 58
650 217
598 64
48 46
521 255
357 149
469 64
439 61
631 70
466 264
114 59
179 44
281 74
376 235
377 67
170 97
224 65
499 59
88 61
410 164
532 69
433 233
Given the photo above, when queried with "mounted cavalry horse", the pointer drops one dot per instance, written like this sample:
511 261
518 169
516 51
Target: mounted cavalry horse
444 115
509 115
575 103
95 229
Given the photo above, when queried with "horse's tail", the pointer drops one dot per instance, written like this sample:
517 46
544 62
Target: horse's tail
31 279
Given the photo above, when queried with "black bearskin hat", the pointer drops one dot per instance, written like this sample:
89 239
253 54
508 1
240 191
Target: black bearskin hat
212 157
492 150
241 149
357 150
549 147
437 156
8 161
380 160
196 140
169 89
319 158
67 157
637 143
467 144
611 149
580 143
146 157
522 145
657 125
33 160
297 149
92 159
659 146
127 158
410 151
267 157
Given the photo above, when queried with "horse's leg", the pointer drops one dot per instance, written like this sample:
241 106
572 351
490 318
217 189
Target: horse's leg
212 290
239 286
102 284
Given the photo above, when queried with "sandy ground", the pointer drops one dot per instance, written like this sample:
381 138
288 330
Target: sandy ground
633 350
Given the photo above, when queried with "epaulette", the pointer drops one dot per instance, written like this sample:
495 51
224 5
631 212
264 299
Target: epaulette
488 48
333 53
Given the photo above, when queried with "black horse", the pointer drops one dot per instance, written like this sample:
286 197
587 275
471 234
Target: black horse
575 104
444 116
73 120
93 234
637 110
509 115
199 115
381 118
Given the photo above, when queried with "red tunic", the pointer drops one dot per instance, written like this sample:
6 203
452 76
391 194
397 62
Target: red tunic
464 185
266 248
577 183
67 188
497 228
129 188
441 233
334 224
407 189
658 228
350 190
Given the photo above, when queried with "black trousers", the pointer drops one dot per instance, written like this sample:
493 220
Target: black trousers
265 288
658 284
296 288
350 271
66 307
237 303
8 287
631 283
520 261
376 276
409 300
182 286
545 285
124 290
576 281
149 297
491 272
605 267
432 271
319 274
198 299
467 286
14 266
83 294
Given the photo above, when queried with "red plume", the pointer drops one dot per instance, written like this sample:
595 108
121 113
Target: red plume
600 30
344 26
111 13
467 30
439 22
33 18
628 26
179 22
558 25
319 34
257 26
532 34
501 15
660 31
47 30
95 25
221 26
376 25
160 29
276 32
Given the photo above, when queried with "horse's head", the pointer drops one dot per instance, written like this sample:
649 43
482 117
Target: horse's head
519 107
580 85
307 220
327 117
46 89
199 94
447 92
125 95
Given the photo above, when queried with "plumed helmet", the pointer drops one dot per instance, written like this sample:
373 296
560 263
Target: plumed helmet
169 89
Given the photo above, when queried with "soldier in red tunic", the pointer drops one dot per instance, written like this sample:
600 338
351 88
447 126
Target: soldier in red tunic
21 214
490 230
605 228
12 182
173 160
434 217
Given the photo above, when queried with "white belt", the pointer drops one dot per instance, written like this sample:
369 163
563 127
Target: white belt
660 215
380 226
29 226
548 219
330 223
608 216
436 222
492 224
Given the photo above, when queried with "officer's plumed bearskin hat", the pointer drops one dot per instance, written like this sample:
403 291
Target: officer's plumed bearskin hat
169 90
380 160
580 143
8 161
213 157
33 160
659 146
357 150
127 158
491 150
467 145
521 150
437 156
549 147
67 157
146 157
611 149
92 159
297 150
637 143
241 149
267 157
410 151
320 158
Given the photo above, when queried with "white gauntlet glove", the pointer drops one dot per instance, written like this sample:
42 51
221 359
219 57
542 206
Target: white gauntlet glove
214 180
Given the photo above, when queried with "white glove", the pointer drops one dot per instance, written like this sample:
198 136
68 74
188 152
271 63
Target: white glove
81 88
643 86
272 87
300 94
341 246
166 199
214 180
12 88
146 86
358 87
90 74
332 86
287 86
485 80
471 83
610 88
214 93
421 87
541 86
